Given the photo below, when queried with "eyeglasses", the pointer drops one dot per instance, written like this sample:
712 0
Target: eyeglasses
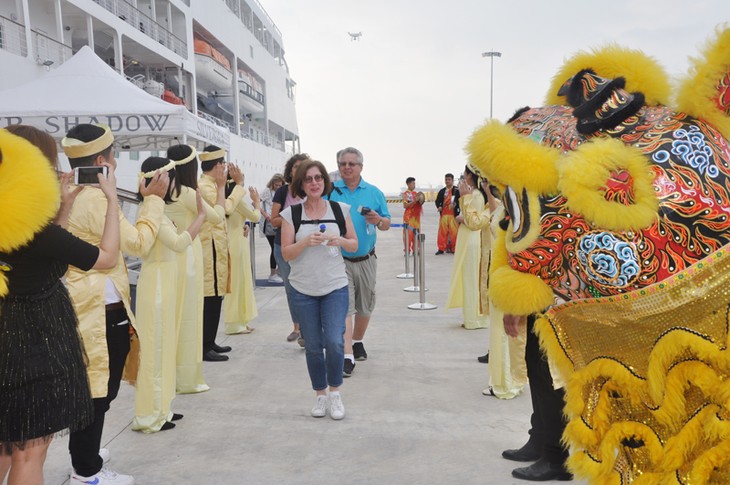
348 164
317 178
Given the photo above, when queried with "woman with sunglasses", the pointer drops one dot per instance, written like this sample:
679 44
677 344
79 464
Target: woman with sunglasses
311 244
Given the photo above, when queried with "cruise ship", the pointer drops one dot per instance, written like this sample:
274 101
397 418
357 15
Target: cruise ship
162 71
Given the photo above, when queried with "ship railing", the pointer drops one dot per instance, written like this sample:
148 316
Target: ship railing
271 22
47 49
12 37
216 121
234 6
247 21
145 24
260 136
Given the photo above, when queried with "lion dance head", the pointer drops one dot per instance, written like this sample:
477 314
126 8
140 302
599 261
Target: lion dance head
617 226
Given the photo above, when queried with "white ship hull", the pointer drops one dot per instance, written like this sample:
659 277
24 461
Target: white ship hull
152 44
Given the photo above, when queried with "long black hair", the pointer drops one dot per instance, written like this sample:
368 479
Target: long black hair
475 177
154 163
187 173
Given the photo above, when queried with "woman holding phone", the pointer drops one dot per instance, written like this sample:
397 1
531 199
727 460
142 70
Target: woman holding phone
43 379
310 243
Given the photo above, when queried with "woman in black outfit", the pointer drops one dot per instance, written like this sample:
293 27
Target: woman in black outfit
43 384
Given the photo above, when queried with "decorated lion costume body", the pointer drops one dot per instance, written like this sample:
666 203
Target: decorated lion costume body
619 224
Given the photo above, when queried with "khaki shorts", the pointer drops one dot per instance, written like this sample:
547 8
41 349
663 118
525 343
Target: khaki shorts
361 280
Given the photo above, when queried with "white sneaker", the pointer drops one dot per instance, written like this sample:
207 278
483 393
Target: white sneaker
105 476
320 407
275 279
105 457
337 409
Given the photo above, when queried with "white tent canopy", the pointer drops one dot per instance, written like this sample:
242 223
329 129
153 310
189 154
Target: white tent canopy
85 89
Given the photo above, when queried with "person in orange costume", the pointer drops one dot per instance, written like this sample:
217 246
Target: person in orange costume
447 203
412 214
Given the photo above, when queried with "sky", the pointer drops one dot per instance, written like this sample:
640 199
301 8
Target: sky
411 91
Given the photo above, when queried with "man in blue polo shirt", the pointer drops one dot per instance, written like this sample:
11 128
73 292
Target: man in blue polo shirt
369 213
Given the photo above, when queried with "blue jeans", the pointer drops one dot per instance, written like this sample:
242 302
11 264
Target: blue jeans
284 270
322 321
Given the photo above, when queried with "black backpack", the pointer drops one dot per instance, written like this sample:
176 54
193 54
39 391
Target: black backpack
296 217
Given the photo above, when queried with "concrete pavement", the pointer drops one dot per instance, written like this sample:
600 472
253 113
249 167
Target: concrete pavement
415 412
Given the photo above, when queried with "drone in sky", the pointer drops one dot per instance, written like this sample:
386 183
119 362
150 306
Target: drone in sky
355 35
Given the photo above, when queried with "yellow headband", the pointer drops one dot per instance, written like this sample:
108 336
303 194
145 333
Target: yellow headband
74 148
149 175
207 156
189 158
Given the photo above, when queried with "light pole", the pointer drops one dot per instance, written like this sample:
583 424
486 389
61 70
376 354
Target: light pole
491 55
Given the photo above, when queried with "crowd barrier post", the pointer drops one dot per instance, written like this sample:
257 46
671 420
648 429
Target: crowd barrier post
407 274
252 246
421 305
416 251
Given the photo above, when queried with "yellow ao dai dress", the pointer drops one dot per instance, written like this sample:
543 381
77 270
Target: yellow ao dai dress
507 367
182 212
239 306
464 290
157 329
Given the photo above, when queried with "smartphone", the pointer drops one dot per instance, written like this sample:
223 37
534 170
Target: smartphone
364 210
87 175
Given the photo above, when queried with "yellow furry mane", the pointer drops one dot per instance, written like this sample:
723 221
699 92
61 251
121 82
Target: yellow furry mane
642 73
29 193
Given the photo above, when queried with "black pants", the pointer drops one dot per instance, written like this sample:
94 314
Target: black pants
547 419
84 444
211 317
272 259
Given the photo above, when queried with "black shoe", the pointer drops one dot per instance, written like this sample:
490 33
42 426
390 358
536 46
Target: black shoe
439 252
528 452
542 470
348 368
213 356
176 417
221 349
358 350
167 425
484 359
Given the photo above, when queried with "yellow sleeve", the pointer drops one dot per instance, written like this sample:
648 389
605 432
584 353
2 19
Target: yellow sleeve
170 238
187 197
137 239
248 212
476 216
234 199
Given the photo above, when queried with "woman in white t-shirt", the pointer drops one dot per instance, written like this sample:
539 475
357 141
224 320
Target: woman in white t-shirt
311 239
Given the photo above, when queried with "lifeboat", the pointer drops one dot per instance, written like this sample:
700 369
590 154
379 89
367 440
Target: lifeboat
171 97
251 99
213 69
214 82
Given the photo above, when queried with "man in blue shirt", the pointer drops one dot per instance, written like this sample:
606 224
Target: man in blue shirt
369 213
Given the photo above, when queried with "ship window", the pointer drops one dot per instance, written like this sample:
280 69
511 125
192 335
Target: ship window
134 155
2 38
251 50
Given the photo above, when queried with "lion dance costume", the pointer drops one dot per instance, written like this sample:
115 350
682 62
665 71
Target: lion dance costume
618 222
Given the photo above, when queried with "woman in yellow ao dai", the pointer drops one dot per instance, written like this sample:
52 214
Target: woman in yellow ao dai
157 314
182 212
507 367
239 306
464 290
